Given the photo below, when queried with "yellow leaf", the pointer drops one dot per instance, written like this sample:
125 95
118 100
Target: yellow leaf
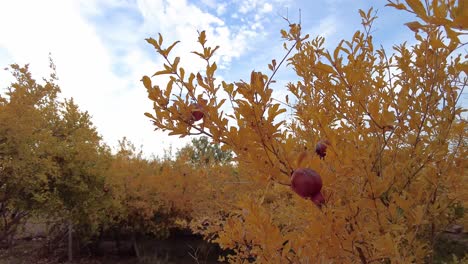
399 6
418 8
463 67
452 35
176 62
300 159
150 115
385 244
362 14
436 43
146 82
168 50
324 67
166 71
414 26
418 214
182 73
202 37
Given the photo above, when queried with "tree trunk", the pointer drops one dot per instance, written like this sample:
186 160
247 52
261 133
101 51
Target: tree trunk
117 242
135 247
70 241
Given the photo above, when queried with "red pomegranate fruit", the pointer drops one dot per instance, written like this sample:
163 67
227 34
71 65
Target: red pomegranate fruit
321 148
197 112
307 183
318 199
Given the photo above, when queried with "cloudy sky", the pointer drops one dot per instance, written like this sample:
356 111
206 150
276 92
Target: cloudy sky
99 49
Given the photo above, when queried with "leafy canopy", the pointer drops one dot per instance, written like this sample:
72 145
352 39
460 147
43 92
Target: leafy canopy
395 167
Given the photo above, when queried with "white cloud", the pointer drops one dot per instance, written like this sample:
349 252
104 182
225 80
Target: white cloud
84 66
94 7
234 40
100 64
210 3
263 6
221 9
326 27
83 63
247 6
267 8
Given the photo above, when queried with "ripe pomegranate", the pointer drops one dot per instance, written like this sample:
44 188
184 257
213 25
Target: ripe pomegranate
307 183
197 112
318 199
321 148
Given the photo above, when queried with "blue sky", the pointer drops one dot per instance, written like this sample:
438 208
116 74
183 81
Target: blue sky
100 51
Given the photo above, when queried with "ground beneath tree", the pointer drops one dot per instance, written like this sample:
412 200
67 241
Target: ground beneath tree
178 249
174 250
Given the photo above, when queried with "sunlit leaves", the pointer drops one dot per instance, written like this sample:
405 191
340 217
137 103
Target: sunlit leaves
52 161
392 119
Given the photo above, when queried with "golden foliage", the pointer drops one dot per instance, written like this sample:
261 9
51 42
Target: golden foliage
396 163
